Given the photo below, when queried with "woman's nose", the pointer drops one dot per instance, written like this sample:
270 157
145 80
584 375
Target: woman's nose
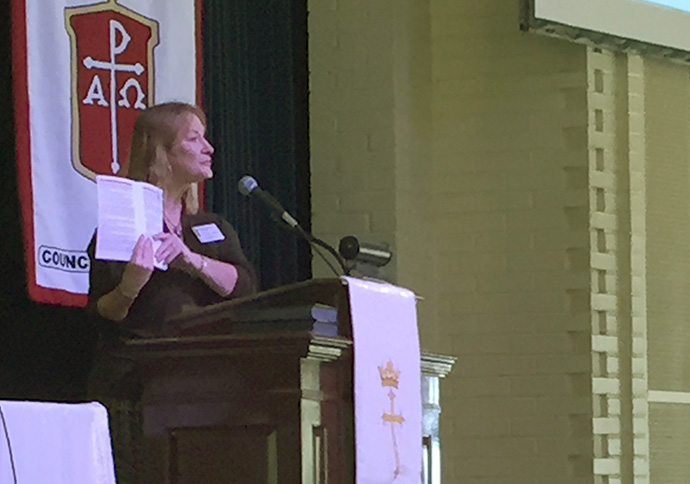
209 147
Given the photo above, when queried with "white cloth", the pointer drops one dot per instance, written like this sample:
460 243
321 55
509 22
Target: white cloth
388 420
55 443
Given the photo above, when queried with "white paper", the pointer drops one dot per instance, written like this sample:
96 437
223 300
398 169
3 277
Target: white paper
127 209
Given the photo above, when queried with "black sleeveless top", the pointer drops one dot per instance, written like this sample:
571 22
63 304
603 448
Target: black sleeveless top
170 292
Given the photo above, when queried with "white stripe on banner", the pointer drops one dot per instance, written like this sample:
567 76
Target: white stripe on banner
80 122
387 374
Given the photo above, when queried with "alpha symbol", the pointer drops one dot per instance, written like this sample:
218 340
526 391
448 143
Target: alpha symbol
96 93
113 80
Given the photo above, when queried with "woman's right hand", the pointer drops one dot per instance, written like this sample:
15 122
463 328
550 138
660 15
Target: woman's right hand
139 269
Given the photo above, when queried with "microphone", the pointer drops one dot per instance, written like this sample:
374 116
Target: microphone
248 186
353 250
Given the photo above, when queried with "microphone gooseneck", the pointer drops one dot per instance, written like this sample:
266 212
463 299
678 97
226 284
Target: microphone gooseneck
249 187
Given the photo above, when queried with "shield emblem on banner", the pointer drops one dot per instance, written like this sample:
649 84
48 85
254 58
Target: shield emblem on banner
112 81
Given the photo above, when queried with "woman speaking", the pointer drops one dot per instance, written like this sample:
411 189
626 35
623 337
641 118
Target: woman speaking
206 263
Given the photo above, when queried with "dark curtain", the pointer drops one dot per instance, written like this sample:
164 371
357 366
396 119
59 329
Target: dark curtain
256 97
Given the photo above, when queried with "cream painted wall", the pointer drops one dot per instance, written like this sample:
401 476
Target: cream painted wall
510 153
370 107
517 178
667 94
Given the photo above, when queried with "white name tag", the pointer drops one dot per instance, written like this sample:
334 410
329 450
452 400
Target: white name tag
208 233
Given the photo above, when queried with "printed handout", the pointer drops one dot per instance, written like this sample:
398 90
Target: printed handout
126 210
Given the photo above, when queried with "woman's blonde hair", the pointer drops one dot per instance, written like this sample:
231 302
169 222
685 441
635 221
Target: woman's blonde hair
156 132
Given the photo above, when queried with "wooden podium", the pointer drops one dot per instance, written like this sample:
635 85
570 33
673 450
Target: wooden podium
259 390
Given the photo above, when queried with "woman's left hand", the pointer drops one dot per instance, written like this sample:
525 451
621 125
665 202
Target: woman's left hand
174 252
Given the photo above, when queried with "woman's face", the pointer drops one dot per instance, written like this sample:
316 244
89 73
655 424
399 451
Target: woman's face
190 157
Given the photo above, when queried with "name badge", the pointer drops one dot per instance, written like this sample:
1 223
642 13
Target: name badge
208 233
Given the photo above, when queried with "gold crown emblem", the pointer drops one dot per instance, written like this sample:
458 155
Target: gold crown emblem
390 377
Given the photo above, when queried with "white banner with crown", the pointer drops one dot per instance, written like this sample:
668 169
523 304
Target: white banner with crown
83 71
387 383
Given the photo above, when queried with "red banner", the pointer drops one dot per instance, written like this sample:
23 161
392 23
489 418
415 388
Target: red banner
83 71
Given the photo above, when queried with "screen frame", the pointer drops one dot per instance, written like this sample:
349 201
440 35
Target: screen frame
615 36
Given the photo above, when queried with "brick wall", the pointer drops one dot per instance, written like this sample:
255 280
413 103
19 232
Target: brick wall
667 92
533 191
371 136
510 151
352 108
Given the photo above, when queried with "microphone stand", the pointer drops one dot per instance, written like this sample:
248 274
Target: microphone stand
248 186
315 243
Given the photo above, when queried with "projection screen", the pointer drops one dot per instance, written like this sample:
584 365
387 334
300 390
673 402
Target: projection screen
656 27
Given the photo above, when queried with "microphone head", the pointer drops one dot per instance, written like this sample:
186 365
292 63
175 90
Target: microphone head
348 247
353 250
247 185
